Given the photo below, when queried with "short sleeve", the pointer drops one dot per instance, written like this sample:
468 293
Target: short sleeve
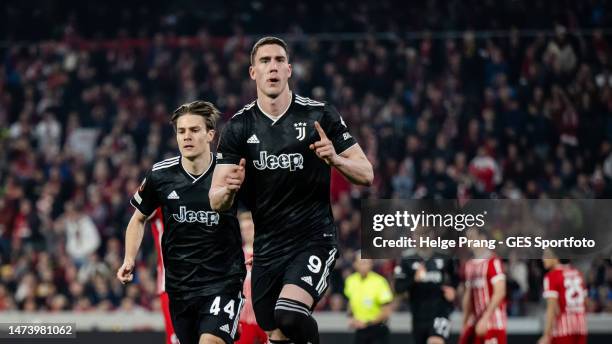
495 271
404 276
145 198
384 292
231 144
336 130
348 287
550 290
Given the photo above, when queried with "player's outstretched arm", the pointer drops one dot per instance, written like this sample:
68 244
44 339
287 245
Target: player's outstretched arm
226 182
133 238
352 163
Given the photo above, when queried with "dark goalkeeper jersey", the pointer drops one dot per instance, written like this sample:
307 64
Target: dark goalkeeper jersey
286 185
201 249
426 297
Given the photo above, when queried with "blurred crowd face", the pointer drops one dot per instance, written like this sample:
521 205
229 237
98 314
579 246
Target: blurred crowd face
192 136
271 70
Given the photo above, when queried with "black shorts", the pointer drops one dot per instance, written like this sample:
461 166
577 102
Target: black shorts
438 327
309 269
217 315
375 334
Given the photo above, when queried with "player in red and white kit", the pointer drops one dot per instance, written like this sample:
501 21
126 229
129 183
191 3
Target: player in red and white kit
250 332
484 305
565 293
157 227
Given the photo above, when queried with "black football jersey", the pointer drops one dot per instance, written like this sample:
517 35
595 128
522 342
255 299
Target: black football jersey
201 249
426 297
286 185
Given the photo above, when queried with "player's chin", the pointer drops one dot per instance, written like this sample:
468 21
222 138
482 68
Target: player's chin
190 154
272 92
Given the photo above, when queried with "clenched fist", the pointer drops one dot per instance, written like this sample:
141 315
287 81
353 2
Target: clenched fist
236 176
125 274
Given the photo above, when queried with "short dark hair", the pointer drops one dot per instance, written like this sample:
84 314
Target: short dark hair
267 41
200 108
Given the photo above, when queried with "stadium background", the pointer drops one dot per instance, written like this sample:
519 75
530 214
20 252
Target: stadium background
449 99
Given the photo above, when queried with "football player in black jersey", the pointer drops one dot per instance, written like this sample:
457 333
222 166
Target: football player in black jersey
201 248
429 280
289 144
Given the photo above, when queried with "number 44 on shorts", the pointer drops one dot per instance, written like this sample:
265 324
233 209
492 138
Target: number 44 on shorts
215 308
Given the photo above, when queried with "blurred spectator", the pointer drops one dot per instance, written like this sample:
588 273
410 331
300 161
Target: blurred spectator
486 171
82 237
517 284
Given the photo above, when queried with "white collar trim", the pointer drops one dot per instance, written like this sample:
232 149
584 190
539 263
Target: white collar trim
200 176
273 118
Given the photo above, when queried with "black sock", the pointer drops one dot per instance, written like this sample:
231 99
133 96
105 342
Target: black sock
294 320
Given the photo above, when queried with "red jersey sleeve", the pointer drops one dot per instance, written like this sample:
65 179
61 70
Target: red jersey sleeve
551 285
495 271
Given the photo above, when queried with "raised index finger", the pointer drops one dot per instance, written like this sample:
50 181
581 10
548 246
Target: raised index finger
322 134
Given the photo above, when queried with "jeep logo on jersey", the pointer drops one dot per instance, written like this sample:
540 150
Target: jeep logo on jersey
290 161
208 218
301 129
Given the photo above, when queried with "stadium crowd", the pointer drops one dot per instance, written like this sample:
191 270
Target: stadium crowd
515 116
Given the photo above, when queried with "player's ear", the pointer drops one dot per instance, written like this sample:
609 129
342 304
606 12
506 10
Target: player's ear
210 135
252 72
290 69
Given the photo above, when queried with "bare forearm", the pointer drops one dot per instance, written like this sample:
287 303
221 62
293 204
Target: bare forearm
133 238
467 305
550 316
221 198
357 171
384 315
496 299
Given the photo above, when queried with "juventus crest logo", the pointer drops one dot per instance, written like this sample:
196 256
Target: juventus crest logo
301 129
